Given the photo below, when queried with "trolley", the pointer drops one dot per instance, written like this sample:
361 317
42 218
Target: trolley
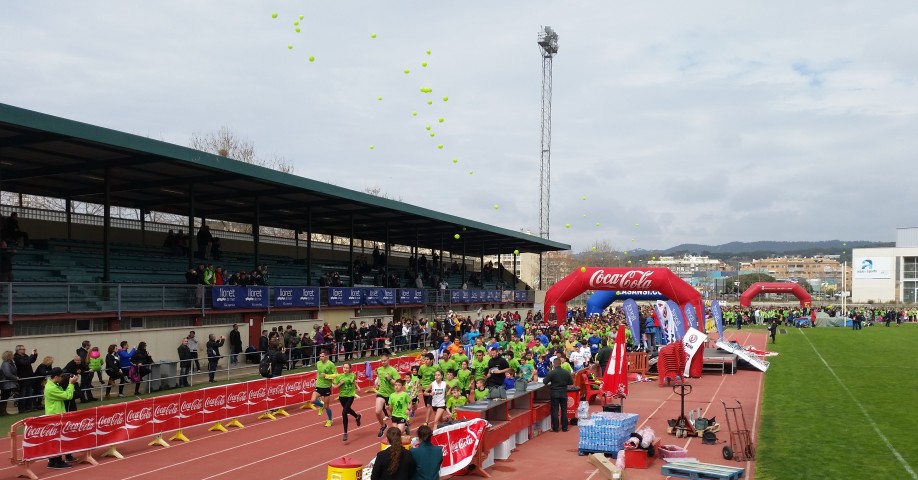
741 448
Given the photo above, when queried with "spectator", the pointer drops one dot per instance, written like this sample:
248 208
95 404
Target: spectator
204 238
27 379
393 463
75 368
124 361
56 394
213 355
95 363
12 232
428 458
86 374
112 369
235 340
278 358
194 292
142 362
185 359
9 381
215 251
6 263
193 345
558 379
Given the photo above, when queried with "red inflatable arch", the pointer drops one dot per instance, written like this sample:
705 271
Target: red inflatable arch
629 279
775 287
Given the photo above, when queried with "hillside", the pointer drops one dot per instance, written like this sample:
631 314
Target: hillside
765 248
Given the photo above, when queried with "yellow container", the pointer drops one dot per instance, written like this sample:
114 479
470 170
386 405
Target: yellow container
383 446
344 468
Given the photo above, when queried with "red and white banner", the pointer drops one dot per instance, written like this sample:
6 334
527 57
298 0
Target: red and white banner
667 322
691 343
459 443
52 435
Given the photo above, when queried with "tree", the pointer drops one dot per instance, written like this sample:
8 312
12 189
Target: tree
376 191
805 285
746 281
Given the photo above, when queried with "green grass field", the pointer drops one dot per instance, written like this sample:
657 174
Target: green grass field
812 427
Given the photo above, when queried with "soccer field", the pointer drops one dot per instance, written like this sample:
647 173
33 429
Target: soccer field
840 404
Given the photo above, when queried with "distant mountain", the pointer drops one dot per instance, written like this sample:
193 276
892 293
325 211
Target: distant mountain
763 248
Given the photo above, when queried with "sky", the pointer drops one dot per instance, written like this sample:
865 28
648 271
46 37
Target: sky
672 121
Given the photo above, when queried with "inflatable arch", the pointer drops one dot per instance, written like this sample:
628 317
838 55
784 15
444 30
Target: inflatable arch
775 287
660 280
603 298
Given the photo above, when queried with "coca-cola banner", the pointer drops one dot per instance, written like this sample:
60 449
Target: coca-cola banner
41 437
619 279
78 431
165 413
275 393
110 424
236 396
257 393
294 391
214 404
139 418
309 384
459 443
191 404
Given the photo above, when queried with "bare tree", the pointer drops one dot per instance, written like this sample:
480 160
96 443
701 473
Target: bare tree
376 191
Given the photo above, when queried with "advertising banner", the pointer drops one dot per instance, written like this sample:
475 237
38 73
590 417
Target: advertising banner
166 413
871 267
42 437
110 423
718 315
690 316
692 342
231 296
379 296
236 397
78 431
296 296
633 315
275 392
257 393
191 404
411 296
214 404
341 297
459 443
139 418
678 321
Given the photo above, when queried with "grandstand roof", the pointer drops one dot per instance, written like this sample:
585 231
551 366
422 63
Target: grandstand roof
45 155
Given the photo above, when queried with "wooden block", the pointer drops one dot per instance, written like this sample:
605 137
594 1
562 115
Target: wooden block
606 466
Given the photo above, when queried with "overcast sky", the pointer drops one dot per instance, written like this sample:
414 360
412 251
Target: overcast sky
699 121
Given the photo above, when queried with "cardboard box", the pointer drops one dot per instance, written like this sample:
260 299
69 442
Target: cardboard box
606 466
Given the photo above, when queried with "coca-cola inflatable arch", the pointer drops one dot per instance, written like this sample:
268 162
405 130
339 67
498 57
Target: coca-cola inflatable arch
759 288
661 280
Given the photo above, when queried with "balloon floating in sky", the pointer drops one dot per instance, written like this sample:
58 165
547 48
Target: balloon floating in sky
440 146
653 258
456 236
445 99
296 24
516 252
455 160
430 102
626 253
372 147
426 90
301 17
594 248
496 206
629 262
407 71
567 225
274 15
431 134
373 35
423 64
440 119
379 98
583 198
471 172
297 29
584 215
597 224
637 224
582 269
428 51
427 127
289 47
312 58
414 114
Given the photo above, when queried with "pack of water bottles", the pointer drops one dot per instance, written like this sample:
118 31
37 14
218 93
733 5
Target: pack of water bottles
605 431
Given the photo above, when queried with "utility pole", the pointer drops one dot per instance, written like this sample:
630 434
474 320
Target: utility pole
548 45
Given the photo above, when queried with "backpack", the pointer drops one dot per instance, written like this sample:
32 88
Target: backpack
264 367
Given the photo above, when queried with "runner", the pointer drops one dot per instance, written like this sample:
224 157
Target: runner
413 387
426 372
347 391
386 376
323 387
399 402
437 391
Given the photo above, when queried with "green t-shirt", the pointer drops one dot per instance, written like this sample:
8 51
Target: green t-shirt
518 349
385 386
465 379
347 387
427 374
480 369
500 325
453 402
323 369
526 372
567 366
399 402
514 365
453 383
447 365
481 394
459 358
539 350
479 348
413 386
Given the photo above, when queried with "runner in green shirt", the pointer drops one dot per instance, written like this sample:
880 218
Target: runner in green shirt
413 387
446 363
399 401
323 387
480 393
427 372
465 377
479 347
386 376
455 400
451 380
347 391
479 365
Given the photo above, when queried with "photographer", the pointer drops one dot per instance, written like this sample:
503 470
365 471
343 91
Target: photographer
57 392
213 354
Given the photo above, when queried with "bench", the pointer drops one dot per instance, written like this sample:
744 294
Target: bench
719 363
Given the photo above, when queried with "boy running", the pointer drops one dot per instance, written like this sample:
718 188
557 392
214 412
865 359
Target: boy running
386 376
323 387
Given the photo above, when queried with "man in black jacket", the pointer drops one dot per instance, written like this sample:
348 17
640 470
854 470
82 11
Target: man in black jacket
559 379
213 354
27 380
86 375
603 356
235 344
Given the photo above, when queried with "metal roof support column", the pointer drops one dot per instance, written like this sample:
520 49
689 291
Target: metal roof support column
540 270
190 224
500 268
256 230
351 253
515 277
68 205
309 246
296 244
106 228
463 262
143 226
481 266
386 249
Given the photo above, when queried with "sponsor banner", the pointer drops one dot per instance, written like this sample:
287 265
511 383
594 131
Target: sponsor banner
296 296
506 296
338 297
690 315
459 443
678 322
138 418
665 317
256 394
633 315
475 296
110 424
309 384
191 404
718 318
410 296
871 267
214 404
231 296
379 296
78 431
293 389
364 376
41 437
692 342
166 413
404 364
275 393
520 296
630 280
236 396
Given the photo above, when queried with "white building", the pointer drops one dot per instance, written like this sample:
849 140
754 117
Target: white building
886 275
688 265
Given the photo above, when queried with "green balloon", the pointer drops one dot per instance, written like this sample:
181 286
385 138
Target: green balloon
428 51
431 134
414 114
427 127
296 24
567 225
274 15
289 47
373 36
445 99
430 102
407 71
455 160
301 17
423 64
440 146
297 29
456 236
379 98
312 58
372 147
440 119
516 252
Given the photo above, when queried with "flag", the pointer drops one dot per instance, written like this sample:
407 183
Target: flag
664 314
633 314
678 322
615 378
369 371
693 341
691 315
718 318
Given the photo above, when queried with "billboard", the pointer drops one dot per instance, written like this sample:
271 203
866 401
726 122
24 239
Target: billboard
872 267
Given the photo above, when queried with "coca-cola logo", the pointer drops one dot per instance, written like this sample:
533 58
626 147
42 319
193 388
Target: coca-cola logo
632 279
462 443
215 401
84 425
114 420
309 384
166 410
141 415
44 431
236 397
275 390
192 406
294 387
259 393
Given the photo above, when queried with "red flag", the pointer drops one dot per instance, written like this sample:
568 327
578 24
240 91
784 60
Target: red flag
615 378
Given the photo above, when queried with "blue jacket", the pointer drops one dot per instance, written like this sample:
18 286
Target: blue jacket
124 358
428 458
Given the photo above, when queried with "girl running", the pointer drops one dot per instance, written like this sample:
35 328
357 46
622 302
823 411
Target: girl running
437 391
347 391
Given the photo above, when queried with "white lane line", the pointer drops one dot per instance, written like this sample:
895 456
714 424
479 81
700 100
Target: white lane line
908 468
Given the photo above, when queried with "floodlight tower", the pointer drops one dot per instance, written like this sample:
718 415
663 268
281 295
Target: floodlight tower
548 45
